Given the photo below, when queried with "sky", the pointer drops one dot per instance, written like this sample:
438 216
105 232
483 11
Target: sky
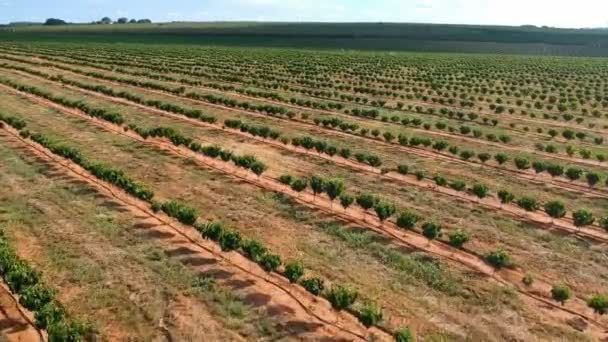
555 13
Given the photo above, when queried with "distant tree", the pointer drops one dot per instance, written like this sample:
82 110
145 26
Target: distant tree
54 21
132 21
144 21
105 20
122 20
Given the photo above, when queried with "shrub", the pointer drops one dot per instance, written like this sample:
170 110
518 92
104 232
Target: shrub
561 293
253 249
528 280
574 173
270 262
180 211
555 209
528 203
299 185
366 201
458 185
229 240
342 297
466 155
35 297
313 285
294 271
522 163
258 168
582 218
407 220
592 178
370 315
317 185
333 188
286 179
599 304
604 223
459 238
484 157
501 158
50 315
346 200
480 190
499 259
384 210
505 196
403 169
404 335
212 231
555 170
539 166
431 230
440 180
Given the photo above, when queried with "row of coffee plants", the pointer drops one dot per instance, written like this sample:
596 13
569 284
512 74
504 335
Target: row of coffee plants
341 297
250 162
25 281
438 146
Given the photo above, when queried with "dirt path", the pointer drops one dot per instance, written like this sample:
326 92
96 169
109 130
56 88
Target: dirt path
526 175
539 218
302 313
537 295
16 323
359 120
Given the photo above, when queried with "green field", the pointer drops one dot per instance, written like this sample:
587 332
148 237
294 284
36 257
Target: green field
358 36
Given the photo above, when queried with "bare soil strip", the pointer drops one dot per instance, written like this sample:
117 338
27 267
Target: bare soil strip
16 323
535 295
302 313
538 218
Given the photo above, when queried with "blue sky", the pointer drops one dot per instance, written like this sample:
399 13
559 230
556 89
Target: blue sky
558 13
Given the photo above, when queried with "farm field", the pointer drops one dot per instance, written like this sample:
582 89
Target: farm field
184 192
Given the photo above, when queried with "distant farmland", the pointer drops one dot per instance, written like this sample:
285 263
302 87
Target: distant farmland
378 36
153 187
